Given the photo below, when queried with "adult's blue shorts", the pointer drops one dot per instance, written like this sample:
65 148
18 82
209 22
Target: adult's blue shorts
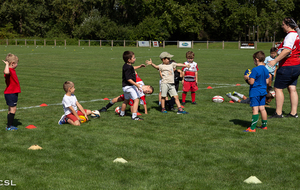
287 76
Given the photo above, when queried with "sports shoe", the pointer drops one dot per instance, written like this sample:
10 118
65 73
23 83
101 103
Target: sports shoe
233 93
194 103
275 115
250 130
11 128
63 120
182 112
183 103
137 119
261 127
228 94
290 115
104 109
164 111
172 109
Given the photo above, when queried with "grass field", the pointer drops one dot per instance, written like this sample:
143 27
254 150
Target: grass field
206 149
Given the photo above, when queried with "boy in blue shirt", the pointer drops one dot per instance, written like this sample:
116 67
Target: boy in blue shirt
258 80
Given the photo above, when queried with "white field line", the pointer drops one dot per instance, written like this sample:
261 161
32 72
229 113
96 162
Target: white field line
213 85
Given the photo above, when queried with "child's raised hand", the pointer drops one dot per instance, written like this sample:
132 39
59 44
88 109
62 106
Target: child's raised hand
6 62
142 65
148 62
188 65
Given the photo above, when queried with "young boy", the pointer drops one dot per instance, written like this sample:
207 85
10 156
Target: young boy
258 80
146 89
167 84
190 81
178 76
12 89
129 85
70 105
272 69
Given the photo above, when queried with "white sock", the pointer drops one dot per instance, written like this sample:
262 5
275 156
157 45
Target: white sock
122 113
134 115
234 98
239 94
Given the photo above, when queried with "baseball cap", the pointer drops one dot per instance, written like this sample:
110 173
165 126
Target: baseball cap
165 54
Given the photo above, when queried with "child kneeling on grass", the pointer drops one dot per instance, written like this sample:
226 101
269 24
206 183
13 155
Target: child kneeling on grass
70 105
258 80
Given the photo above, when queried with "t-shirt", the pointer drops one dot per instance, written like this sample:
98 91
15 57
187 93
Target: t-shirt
167 73
128 72
69 101
259 88
190 73
12 82
291 42
270 68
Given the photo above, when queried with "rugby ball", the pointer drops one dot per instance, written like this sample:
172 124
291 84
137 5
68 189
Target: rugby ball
247 72
218 99
281 49
118 110
95 114
83 118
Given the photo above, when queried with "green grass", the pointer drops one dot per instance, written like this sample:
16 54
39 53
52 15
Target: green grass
205 149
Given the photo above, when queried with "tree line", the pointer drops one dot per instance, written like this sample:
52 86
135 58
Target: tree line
230 20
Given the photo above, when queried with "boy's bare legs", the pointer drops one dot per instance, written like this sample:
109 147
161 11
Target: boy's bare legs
163 102
123 108
294 99
135 107
178 103
76 123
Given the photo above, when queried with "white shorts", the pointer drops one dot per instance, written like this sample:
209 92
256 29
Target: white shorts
168 88
130 92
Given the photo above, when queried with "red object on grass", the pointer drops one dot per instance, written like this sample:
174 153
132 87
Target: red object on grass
209 87
43 105
105 99
238 85
30 127
231 101
138 113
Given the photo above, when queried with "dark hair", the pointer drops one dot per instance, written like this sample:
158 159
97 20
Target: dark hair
273 49
260 55
127 55
290 22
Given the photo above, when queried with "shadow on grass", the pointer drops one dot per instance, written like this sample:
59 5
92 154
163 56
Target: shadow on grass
243 123
16 122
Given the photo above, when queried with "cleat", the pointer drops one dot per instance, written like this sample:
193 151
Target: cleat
194 103
250 130
182 112
233 93
261 127
290 115
183 103
164 111
228 94
11 128
104 109
275 115
137 119
63 120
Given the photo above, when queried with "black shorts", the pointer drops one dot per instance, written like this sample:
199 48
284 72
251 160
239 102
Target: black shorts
11 99
287 76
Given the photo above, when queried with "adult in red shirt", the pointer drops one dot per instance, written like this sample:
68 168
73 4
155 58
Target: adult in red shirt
289 68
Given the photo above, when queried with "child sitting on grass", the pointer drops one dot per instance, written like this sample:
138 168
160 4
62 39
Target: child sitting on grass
70 105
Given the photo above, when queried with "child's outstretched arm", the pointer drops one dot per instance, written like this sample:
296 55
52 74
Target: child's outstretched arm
140 66
82 110
149 62
6 69
183 65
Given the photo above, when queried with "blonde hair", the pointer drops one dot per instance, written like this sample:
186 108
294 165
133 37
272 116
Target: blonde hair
190 55
67 85
11 58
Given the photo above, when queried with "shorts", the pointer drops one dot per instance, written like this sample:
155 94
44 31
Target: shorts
11 99
168 88
73 117
286 76
257 101
130 92
189 86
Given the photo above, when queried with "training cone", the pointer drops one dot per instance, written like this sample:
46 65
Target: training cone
231 101
43 105
138 113
35 147
209 87
238 85
30 127
252 179
105 99
121 160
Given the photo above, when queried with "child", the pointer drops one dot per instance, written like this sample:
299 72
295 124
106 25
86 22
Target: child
167 84
244 100
258 80
272 70
129 85
12 89
146 89
190 82
70 105
178 75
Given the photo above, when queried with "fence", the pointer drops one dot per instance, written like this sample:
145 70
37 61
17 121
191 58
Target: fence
128 43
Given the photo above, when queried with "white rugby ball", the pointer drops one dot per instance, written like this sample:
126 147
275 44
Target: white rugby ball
218 99
95 114
280 50
118 110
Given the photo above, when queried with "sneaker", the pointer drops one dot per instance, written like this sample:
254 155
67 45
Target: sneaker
182 112
194 103
261 127
183 103
290 115
104 109
137 119
275 115
164 111
250 130
63 120
122 115
233 93
11 128
228 94
172 109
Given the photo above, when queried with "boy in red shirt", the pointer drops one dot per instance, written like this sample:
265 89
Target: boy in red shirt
12 89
